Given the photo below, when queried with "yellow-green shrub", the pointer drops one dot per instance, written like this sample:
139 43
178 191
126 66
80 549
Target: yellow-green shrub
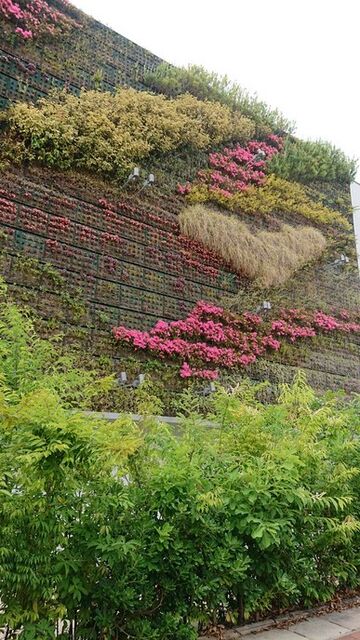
269 257
107 133
276 194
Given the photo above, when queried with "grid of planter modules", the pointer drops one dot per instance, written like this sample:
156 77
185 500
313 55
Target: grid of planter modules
89 257
127 257
91 57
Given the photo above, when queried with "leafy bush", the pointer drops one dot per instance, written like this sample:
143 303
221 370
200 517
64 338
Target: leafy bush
269 257
235 169
206 85
134 532
107 134
304 160
276 194
29 363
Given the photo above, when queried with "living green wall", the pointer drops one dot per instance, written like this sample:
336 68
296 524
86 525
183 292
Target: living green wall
88 254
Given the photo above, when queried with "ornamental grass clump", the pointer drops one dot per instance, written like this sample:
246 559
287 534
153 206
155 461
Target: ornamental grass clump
268 257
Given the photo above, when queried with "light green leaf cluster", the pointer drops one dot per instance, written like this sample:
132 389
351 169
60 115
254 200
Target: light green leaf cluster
107 134
207 85
213 521
306 160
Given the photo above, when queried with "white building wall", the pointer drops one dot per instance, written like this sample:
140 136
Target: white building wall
355 199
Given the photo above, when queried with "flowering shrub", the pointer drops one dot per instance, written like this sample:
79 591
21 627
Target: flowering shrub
210 337
36 17
235 169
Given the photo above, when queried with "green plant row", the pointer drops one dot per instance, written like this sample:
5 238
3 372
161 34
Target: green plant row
107 133
276 194
128 530
304 161
207 85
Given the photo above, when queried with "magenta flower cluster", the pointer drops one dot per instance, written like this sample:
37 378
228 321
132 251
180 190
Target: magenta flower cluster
35 17
211 338
235 169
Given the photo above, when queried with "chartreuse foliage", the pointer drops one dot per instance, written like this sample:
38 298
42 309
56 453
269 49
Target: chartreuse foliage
305 161
133 531
106 133
276 194
207 85
30 363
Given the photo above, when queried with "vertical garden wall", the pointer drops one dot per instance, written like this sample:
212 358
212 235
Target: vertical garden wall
240 213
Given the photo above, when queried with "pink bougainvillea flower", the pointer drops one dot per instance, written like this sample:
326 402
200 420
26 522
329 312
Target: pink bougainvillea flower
209 337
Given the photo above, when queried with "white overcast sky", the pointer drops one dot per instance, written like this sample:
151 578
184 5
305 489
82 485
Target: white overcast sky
301 56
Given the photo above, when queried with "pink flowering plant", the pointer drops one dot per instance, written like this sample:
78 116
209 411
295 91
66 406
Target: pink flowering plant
235 169
31 18
211 338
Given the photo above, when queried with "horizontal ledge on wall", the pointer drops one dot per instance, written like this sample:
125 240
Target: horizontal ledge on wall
171 420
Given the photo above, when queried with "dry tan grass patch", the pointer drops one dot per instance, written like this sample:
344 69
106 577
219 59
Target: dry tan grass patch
269 257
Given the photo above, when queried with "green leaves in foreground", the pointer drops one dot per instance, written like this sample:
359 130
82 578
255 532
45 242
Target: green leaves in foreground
133 531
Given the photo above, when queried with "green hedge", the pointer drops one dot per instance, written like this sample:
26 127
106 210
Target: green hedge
305 161
207 85
135 531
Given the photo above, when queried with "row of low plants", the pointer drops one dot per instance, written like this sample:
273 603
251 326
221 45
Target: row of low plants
126 530
210 338
107 133
275 195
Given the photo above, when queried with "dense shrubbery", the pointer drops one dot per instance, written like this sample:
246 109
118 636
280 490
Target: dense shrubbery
205 85
29 363
127 530
304 160
107 133
270 257
276 194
